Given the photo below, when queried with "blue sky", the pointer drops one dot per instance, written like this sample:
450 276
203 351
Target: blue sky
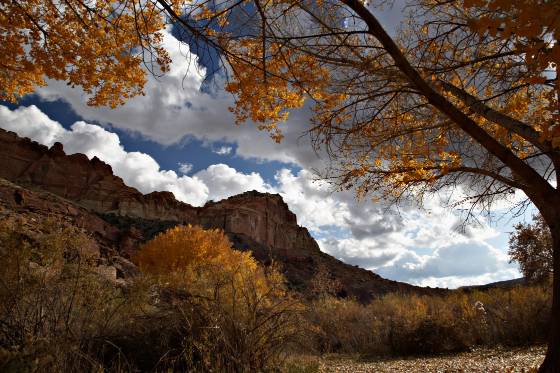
188 150
182 138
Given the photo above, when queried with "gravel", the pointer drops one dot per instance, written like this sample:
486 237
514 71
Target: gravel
481 360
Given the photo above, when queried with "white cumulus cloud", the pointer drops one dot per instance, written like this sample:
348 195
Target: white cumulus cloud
223 150
174 106
185 167
225 181
137 169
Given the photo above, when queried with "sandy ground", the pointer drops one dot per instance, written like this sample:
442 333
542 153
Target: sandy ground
482 360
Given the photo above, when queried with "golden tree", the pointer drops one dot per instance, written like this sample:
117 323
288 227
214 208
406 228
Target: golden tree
100 46
465 97
185 247
246 316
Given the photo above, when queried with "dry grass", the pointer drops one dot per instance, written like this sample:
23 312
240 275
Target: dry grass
405 324
481 360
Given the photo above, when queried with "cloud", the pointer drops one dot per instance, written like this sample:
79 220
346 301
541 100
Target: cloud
137 169
311 200
454 282
423 247
225 181
175 106
185 167
223 150
364 253
31 122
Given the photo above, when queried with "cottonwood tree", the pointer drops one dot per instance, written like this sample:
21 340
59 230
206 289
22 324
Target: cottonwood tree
531 246
101 46
464 96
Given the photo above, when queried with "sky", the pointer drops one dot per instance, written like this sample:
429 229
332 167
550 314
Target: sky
181 137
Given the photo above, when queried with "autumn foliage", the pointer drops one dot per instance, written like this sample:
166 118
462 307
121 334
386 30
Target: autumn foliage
56 310
464 97
410 324
236 315
208 307
100 46
530 245
181 248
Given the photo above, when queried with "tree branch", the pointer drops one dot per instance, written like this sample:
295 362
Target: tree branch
509 123
521 169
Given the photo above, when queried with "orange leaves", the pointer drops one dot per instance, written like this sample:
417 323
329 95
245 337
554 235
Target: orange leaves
99 46
204 262
268 88
532 26
186 247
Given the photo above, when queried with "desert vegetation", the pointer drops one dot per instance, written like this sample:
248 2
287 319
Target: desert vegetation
464 96
531 247
200 305
410 325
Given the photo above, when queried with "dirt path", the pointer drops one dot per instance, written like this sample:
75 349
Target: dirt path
483 361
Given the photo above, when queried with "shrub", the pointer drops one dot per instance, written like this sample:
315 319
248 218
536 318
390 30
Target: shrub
236 316
531 246
341 325
55 309
518 316
410 324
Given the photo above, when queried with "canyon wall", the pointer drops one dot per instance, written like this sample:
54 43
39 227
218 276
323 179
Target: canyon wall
46 180
263 217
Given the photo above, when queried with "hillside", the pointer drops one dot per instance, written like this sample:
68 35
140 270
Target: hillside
43 181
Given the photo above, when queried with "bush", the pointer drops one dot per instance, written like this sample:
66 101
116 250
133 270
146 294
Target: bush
200 305
55 309
515 317
409 324
236 316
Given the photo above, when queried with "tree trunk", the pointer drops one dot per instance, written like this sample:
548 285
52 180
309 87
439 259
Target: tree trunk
551 362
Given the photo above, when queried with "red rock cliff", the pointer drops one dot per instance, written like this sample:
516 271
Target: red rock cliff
88 182
260 222
263 217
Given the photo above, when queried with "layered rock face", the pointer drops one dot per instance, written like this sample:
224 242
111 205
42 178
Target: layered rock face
91 183
263 217
33 208
259 222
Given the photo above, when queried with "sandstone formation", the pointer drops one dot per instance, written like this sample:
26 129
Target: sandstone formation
91 183
121 217
31 208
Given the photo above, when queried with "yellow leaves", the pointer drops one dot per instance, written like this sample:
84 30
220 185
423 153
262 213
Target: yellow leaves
532 27
186 246
96 46
223 21
204 262
268 88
